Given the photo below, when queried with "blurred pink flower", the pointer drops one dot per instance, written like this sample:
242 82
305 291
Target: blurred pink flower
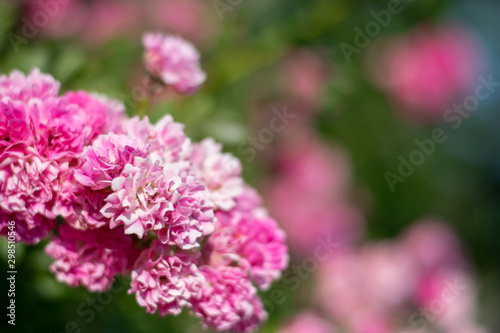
304 75
173 60
62 18
313 179
108 19
372 279
415 280
188 18
428 69
306 322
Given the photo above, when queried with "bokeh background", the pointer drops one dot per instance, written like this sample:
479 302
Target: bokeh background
324 173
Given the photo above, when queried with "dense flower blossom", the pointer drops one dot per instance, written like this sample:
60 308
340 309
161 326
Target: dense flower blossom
175 61
90 258
20 87
26 191
103 115
41 137
144 193
307 322
166 138
221 173
135 199
165 282
251 240
228 301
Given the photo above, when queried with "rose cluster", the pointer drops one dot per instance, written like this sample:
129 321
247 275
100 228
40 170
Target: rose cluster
123 196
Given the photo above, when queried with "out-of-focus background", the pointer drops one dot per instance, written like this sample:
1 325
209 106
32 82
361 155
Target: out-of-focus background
370 127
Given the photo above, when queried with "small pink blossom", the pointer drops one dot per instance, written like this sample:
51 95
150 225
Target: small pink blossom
228 301
304 76
175 61
165 282
90 258
307 322
428 69
188 18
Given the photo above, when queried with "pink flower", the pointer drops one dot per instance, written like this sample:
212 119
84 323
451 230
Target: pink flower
374 278
304 75
314 217
67 19
20 87
188 18
251 240
314 179
428 69
41 137
219 172
90 258
388 286
27 192
165 282
166 138
432 244
82 195
228 301
307 162
150 196
143 193
102 115
175 61
307 322
105 159
29 230
101 27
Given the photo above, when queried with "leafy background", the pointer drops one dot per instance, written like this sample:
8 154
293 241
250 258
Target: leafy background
460 182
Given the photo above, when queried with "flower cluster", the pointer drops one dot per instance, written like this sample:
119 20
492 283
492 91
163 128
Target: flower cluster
136 198
418 283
